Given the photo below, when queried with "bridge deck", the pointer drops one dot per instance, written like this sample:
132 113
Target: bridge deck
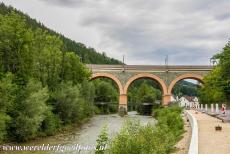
95 67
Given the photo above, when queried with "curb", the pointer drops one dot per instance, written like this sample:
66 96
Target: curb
193 147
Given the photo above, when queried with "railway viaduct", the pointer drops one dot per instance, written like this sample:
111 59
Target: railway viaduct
166 76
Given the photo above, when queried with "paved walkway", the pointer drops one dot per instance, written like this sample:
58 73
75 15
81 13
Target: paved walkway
211 141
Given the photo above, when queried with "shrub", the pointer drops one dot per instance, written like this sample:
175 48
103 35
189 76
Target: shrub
102 141
50 124
159 139
4 120
69 104
29 111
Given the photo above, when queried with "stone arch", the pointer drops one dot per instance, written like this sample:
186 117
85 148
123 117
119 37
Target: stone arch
146 75
110 76
184 76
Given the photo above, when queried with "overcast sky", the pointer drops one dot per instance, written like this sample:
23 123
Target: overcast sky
145 31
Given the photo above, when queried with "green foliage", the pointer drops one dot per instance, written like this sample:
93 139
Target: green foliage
185 88
135 138
4 120
87 54
217 83
144 91
147 92
102 141
51 124
7 98
106 96
105 92
7 92
211 92
67 103
88 91
172 119
29 111
42 86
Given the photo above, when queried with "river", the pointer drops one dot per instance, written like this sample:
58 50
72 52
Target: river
84 136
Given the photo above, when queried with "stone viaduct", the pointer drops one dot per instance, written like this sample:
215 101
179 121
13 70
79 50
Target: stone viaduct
166 76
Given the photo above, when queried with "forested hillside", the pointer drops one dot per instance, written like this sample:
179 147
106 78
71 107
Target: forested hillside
43 88
87 55
185 88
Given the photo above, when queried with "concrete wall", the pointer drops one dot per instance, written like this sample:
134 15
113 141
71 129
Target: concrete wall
193 147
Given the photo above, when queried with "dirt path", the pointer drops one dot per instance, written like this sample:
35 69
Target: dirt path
211 141
183 145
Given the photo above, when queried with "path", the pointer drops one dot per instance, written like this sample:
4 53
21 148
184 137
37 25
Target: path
211 141
183 145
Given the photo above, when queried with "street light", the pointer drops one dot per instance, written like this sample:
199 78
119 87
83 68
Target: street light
213 61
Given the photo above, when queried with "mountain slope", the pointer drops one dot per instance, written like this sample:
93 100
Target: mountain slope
185 88
88 55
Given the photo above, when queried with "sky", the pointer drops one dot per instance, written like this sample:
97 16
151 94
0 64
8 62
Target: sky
190 32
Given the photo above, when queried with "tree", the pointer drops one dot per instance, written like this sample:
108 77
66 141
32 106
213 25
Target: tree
105 92
43 83
29 111
68 103
224 72
212 91
147 94
217 83
7 98
15 43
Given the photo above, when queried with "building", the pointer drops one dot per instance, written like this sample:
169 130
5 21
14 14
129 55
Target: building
189 101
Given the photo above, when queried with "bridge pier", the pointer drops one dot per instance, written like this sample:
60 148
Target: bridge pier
123 100
123 103
166 99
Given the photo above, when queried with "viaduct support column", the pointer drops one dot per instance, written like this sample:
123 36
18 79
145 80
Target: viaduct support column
166 99
123 103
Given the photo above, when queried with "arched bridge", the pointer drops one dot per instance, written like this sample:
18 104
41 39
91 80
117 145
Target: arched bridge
166 76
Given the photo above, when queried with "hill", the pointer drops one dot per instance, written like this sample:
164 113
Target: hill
185 88
88 55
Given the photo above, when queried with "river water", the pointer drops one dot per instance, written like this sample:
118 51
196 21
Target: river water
85 136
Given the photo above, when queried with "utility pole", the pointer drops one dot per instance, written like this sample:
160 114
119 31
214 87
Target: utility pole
166 67
123 62
166 61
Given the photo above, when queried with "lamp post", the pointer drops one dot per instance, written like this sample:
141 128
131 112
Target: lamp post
213 61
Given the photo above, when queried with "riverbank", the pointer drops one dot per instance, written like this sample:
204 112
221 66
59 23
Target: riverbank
87 134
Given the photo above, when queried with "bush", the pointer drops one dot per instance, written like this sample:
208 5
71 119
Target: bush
102 141
7 97
69 104
50 124
159 139
172 119
4 120
29 111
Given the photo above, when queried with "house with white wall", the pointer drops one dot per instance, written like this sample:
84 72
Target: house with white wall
184 102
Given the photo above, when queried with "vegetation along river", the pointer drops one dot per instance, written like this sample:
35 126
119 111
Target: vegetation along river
86 135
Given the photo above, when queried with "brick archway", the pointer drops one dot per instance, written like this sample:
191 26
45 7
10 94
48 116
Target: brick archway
151 76
145 75
184 76
110 76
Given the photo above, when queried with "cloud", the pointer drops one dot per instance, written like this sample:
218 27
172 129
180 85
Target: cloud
64 3
189 32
